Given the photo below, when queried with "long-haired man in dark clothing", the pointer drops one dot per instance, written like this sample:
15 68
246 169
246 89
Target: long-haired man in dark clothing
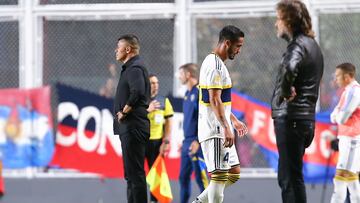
295 95
131 122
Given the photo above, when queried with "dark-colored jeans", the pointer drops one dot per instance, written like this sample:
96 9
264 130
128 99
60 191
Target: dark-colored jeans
292 137
133 145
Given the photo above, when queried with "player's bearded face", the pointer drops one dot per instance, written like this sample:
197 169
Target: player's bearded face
235 48
231 53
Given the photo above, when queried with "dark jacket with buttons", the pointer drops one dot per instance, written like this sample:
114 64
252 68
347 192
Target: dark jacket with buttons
301 67
134 90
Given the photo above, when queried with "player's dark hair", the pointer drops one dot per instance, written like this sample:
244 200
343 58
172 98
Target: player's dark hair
231 33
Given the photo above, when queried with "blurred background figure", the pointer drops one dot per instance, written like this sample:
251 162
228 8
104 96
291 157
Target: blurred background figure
108 89
192 159
160 112
347 116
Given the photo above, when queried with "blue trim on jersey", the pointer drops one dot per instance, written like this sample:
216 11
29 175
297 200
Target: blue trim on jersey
225 95
205 95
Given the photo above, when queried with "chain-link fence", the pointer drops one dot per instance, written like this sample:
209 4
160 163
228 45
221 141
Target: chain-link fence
78 53
8 2
102 1
340 43
9 54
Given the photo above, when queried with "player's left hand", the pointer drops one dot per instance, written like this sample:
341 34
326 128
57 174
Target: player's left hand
194 147
240 128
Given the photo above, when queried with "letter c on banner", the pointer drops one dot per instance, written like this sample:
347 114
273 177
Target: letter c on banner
65 109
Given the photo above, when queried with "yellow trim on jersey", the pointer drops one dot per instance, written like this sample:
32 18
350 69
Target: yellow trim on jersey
208 104
215 86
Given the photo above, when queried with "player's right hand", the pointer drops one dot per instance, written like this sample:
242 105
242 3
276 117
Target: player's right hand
229 138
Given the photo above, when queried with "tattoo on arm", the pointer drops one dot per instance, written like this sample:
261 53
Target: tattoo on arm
223 122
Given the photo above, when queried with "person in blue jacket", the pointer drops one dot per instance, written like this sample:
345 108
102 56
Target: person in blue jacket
191 154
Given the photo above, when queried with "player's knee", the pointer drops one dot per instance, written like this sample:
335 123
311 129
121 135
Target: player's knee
219 177
233 177
354 189
340 184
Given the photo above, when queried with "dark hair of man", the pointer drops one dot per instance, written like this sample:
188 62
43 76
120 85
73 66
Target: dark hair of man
231 33
132 40
192 68
152 75
347 68
296 16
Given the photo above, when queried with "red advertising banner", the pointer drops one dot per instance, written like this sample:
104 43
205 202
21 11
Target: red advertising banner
85 140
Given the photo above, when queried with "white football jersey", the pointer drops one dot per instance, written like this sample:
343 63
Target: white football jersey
213 75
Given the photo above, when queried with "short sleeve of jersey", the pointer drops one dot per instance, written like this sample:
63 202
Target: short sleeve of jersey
168 112
214 73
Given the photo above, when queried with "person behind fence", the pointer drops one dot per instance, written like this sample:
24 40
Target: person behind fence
294 98
108 89
131 122
216 122
192 159
160 112
347 116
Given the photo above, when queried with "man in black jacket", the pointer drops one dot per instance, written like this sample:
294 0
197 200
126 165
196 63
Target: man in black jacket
295 95
131 122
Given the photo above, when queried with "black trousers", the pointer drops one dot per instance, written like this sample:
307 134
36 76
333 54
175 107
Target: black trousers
152 151
133 145
292 137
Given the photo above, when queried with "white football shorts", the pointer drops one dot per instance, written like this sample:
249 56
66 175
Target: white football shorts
217 157
349 154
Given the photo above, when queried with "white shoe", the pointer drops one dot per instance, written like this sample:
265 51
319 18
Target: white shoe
196 201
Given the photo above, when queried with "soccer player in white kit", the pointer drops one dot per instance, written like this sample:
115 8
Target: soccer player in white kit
216 122
347 116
